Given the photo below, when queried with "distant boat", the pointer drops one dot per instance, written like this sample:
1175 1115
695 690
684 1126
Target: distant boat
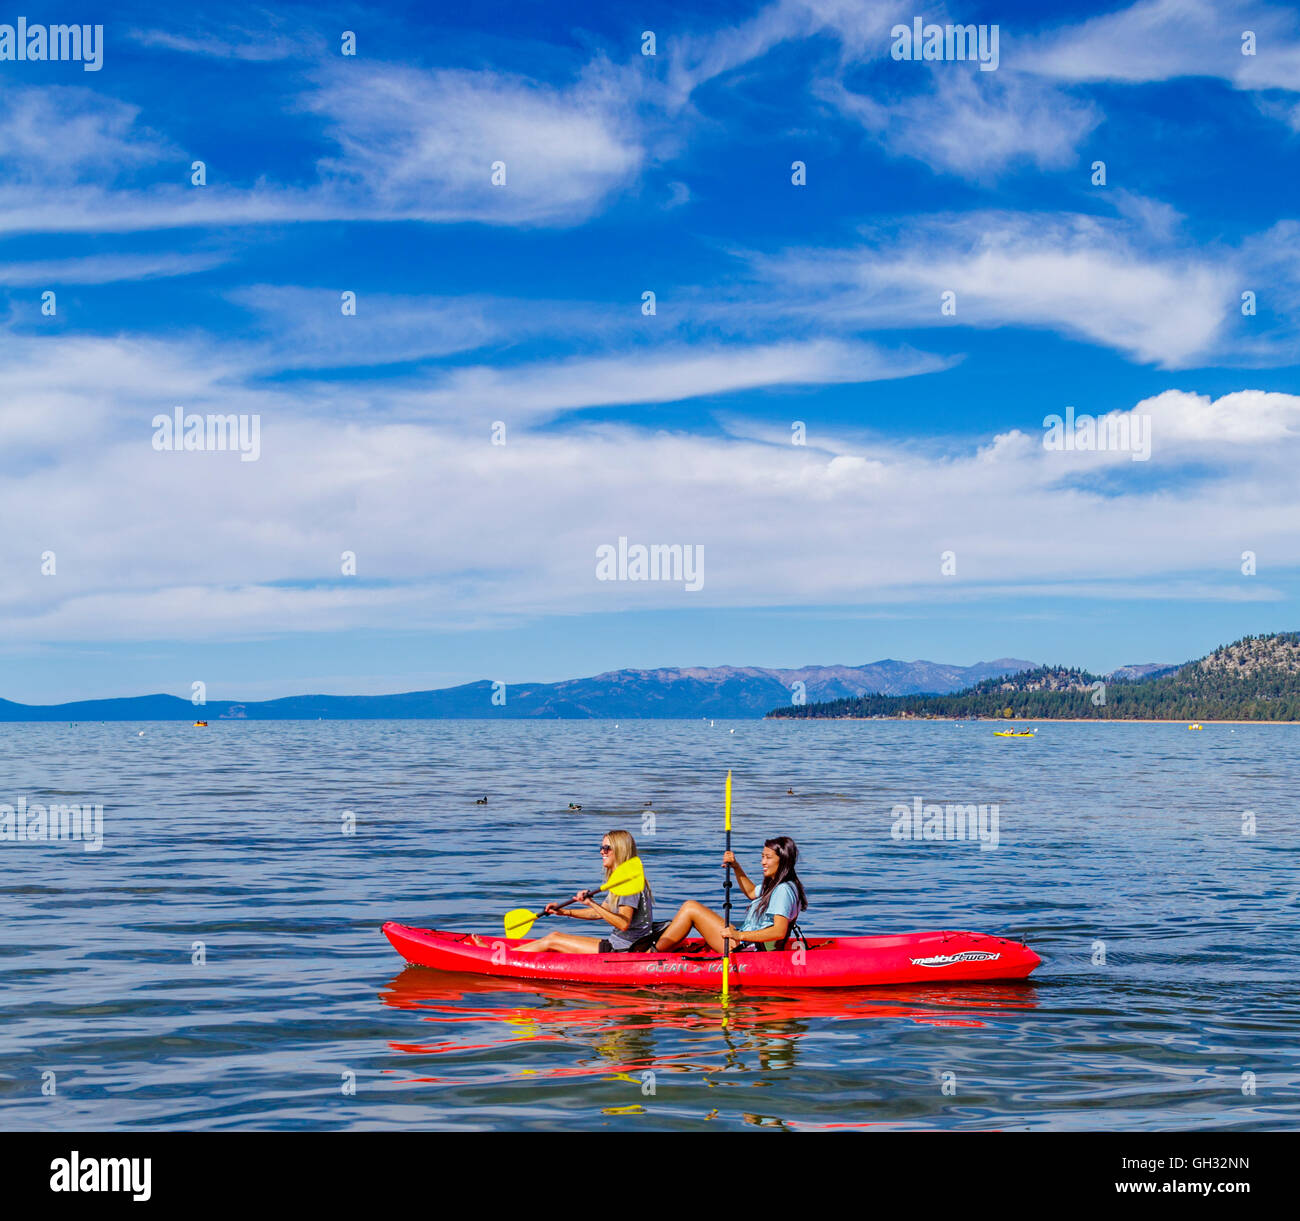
200 724
1014 733
1196 726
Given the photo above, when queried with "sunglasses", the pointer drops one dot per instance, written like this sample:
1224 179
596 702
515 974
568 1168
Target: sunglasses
606 848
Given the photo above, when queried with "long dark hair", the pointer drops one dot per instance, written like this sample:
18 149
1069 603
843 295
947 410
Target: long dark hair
788 852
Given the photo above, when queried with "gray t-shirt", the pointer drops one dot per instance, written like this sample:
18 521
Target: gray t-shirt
642 919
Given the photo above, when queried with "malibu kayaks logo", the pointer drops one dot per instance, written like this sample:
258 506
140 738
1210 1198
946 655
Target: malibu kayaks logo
82 44
946 960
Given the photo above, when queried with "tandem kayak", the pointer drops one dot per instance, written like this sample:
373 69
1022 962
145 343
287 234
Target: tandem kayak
832 962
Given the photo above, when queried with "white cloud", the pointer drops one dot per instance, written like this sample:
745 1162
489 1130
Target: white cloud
424 143
451 530
278 38
299 327
408 144
59 135
107 268
1089 277
1285 111
1245 418
860 26
970 123
91 391
669 374
306 327
974 124
94 209
1159 40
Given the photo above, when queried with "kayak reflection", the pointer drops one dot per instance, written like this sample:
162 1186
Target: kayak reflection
624 1030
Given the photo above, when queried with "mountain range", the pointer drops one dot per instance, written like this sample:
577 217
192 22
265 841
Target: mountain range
698 691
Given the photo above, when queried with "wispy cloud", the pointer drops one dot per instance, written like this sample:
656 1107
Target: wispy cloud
306 327
974 124
108 268
62 135
373 426
257 37
1158 40
1100 280
401 144
861 28
669 374
424 143
449 528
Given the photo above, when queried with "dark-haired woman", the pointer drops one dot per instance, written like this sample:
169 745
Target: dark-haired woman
775 908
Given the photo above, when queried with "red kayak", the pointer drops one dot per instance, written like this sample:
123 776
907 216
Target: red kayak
832 962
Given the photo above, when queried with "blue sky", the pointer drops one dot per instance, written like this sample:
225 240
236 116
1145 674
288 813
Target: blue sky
522 303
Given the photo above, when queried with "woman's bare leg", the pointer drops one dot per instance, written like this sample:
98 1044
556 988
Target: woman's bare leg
692 915
561 943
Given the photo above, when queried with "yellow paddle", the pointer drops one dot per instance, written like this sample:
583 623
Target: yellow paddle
627 879
726 900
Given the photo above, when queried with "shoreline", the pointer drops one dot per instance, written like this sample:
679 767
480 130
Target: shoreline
1056 720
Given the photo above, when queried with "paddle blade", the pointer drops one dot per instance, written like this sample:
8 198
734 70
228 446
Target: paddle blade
519 921
728 825
627 879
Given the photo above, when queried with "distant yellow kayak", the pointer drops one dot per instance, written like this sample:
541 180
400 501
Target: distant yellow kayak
200 724
1014 733
1196 727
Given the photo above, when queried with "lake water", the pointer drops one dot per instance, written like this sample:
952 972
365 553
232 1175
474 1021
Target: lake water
1169 937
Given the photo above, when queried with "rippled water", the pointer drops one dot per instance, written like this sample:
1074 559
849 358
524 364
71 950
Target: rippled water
1122 838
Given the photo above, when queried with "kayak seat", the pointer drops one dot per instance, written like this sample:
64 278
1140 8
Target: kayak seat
796 937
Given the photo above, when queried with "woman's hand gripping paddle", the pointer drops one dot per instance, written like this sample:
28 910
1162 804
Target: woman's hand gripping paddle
627 879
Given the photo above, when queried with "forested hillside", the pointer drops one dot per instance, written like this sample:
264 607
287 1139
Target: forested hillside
1256 678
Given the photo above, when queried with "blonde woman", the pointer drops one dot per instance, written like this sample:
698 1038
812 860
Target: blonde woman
629 917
